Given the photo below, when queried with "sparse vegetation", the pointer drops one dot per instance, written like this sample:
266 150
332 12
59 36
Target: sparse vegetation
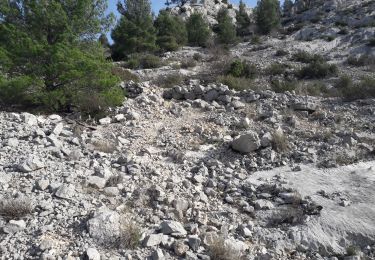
236 83
280 53
280 86
15 208
143 61
351 91
371 42
305 57
130 234
124 74
189 63
279 141
276 69
239 68
169 81
361 60
317 70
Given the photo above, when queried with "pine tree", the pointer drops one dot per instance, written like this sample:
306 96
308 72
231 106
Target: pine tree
171 31
135 32
268 15
226 28
243 20
198 30
50 56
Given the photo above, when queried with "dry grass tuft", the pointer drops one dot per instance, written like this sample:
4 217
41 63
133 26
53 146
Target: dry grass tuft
280 142
15 208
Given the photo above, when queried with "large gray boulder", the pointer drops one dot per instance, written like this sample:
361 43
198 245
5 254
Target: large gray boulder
104 226
246 143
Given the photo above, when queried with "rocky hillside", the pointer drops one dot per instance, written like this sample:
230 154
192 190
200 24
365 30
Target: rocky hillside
198 164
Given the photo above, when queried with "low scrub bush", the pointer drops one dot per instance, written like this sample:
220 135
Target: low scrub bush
317 88
220 250
15 208
276 69
124 74
189 63
317 70
280 53
280 86
361 60
143 61
371 42
244 69
236 83
351 91
306 57
169 81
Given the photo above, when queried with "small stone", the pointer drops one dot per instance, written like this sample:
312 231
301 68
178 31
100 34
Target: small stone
104 226
65 191
157 255
58 129
14 226
96 182
42 184
120 117
194 242
263 204
29 119
54 141
31 164
105 121
237 104
152 240
172 228
180 248
92 254
12 142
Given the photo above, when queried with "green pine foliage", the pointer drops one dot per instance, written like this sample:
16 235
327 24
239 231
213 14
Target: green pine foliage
135 31
198 30
268 15
50 56
171 31
243 20
226 29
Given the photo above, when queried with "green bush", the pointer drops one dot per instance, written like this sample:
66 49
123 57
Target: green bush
280 86
361 60
189 63
243 20
226 29
276 69
317 70
268 15
143 61
240 69
236 83
280 53
198 30
134 32
169 81
351 91
305 57
54 69
171 31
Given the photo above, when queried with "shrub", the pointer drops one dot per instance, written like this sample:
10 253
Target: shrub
52 69
197 57
256 40
226 29
351 91
305 57
134 32
267 15
361 60
198 30
316 88
171 31
15 208
143 61
236 83
240 68
318 70
276 69
124 74
189 63
282 86
280 53
130 235
371 42
169 81
279 141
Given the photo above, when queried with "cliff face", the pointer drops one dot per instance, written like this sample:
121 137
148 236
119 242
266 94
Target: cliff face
208 8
